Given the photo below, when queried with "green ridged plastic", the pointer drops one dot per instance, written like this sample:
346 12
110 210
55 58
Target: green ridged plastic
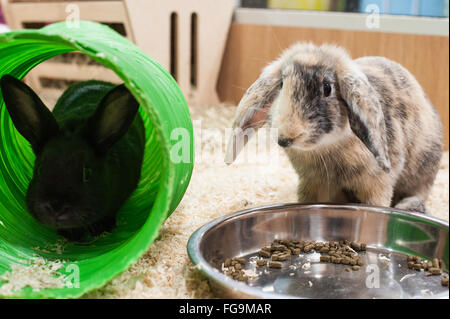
163 182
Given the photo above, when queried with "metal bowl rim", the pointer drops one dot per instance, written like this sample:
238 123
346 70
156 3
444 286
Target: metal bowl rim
195 255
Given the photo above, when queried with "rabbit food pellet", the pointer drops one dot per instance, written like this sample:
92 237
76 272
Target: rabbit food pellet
264 253
342 252
434 267
336 252
233 268
444 280
275 264
261 262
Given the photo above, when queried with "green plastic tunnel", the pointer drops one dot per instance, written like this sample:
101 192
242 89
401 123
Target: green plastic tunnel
164 178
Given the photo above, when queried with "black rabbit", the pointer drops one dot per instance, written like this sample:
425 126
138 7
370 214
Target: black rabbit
89 153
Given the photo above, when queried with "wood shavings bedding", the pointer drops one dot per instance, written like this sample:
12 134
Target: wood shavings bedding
216 189
37 273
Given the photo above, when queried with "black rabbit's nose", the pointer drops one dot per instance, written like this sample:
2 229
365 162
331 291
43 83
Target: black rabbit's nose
64 217
55 208
285 142
47 208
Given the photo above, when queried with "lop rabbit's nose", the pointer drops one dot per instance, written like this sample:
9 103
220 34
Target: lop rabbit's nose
285 142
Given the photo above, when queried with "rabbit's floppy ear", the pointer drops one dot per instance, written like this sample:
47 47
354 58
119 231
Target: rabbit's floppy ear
112 119
29 114
366 115
252 111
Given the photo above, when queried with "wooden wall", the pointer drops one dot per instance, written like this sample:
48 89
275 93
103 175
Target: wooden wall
251 47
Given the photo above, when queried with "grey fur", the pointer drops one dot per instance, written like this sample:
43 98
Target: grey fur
377 139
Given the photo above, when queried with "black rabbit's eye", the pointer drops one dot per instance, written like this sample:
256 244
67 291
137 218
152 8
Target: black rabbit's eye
326 89
87 172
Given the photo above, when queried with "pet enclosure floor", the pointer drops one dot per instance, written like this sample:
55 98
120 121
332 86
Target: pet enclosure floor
216 189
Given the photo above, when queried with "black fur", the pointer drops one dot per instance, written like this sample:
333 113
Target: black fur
88 159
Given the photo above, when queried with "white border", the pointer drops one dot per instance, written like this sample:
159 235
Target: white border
343 21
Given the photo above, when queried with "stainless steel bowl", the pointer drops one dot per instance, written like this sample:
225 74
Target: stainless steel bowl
390 235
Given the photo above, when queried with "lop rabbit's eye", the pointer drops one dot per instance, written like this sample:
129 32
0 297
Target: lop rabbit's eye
87 172
326 88
281 84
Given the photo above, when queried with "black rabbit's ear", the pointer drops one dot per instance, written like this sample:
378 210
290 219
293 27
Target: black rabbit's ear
30 116
112 119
